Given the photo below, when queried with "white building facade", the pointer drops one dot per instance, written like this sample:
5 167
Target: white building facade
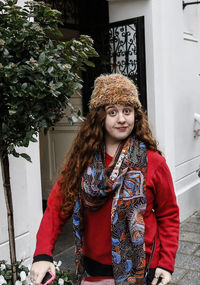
172 51
172 37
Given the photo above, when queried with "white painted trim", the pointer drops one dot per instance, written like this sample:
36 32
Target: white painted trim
189 37
188 200
187 168
22 247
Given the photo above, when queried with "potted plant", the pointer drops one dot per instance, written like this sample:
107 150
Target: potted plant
23 274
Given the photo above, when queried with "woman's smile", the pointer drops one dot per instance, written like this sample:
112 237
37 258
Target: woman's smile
122 129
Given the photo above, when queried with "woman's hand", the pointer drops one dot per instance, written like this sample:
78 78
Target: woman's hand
39 269
164 274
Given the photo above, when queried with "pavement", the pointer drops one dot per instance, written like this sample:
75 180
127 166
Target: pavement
187 265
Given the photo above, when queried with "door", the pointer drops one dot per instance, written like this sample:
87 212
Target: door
78 16
121 46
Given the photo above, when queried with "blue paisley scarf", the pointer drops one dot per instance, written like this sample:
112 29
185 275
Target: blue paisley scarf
126 178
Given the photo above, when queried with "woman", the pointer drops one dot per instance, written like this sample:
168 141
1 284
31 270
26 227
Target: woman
119 190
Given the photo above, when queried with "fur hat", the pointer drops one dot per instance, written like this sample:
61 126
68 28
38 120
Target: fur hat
114 89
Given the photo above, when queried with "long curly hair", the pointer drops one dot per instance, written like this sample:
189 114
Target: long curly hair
89 140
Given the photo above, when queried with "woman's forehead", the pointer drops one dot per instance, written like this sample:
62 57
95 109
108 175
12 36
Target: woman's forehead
117 106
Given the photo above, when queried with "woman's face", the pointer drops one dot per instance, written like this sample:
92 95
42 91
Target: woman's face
119 122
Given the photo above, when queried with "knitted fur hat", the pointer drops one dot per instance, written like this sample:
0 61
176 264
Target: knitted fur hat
114 89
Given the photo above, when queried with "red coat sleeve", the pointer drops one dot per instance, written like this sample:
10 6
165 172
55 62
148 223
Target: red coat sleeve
167 214
51 224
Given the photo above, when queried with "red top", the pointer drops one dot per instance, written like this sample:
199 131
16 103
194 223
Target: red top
161 219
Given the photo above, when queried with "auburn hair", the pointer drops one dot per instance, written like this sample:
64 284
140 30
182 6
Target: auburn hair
89 140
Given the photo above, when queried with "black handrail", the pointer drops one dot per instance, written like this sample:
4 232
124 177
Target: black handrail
190 3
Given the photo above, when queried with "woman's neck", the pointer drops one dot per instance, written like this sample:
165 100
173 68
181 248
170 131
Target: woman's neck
111 148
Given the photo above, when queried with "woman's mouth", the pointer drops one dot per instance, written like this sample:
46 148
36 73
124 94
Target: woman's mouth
122 129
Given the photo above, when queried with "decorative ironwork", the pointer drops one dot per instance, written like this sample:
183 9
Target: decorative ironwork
69 10
121 48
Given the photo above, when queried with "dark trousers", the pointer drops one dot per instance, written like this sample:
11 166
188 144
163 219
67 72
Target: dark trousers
94 268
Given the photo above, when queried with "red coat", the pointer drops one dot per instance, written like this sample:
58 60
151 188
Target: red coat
161 220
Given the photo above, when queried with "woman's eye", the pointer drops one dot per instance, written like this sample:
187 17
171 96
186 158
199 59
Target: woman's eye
112 112
127 111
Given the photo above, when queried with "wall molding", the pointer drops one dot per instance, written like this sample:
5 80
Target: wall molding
187 36
187 168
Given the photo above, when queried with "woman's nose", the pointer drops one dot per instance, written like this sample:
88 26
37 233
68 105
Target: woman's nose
121 118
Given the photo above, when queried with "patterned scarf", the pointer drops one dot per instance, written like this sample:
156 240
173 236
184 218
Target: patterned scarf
126 179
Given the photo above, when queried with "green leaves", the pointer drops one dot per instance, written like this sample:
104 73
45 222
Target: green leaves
11 2
12 112
41 59
89 63
77 85
38 75
4 128
50 69
24 86
26 156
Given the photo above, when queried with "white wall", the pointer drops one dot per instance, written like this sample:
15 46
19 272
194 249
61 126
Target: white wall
54 147
155 68
172 68
192 19
187 102
27 204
